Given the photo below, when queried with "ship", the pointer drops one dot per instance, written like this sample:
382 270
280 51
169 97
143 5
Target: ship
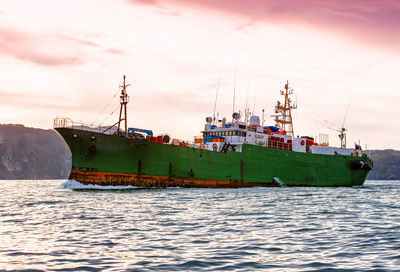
241 152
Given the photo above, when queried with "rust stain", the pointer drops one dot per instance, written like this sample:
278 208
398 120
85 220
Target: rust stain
113 179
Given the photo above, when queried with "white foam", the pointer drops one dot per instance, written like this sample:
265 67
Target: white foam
74 185
280 182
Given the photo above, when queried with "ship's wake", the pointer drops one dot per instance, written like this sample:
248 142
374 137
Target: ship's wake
75 185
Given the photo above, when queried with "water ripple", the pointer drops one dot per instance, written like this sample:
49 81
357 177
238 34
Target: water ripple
64 226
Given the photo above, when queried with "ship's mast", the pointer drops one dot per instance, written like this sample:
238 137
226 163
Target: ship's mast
342 137
124 99
284 121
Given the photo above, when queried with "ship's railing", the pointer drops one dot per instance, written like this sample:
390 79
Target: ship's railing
63 122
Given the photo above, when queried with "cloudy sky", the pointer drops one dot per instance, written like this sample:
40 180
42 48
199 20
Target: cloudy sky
67 58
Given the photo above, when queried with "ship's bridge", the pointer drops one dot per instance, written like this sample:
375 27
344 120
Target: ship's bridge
230 135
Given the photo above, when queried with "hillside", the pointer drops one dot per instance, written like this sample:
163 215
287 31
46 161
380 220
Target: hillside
30 153
386 164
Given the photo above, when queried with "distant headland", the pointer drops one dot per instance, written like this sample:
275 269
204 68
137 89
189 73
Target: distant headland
31 153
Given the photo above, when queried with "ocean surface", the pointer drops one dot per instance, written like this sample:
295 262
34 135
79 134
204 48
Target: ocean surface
55 225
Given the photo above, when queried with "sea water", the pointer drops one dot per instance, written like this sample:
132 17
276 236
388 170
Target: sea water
53 225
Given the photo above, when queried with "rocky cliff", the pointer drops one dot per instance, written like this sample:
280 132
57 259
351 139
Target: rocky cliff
386 164
29 153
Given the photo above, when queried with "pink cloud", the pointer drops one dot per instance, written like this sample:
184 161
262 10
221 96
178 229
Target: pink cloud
29 47
79 41
30 101
114 51
375 22
145 2
162 9
47 50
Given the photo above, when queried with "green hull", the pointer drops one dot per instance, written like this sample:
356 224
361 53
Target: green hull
111 160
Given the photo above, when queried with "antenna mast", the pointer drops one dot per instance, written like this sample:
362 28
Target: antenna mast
254 101
124 99
342 135
216 96
234 92
246 110
284 121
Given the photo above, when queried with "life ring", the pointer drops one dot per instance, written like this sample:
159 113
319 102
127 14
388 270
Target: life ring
284 132
214 147
302 142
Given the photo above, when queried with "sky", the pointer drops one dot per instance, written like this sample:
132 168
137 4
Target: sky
67 59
